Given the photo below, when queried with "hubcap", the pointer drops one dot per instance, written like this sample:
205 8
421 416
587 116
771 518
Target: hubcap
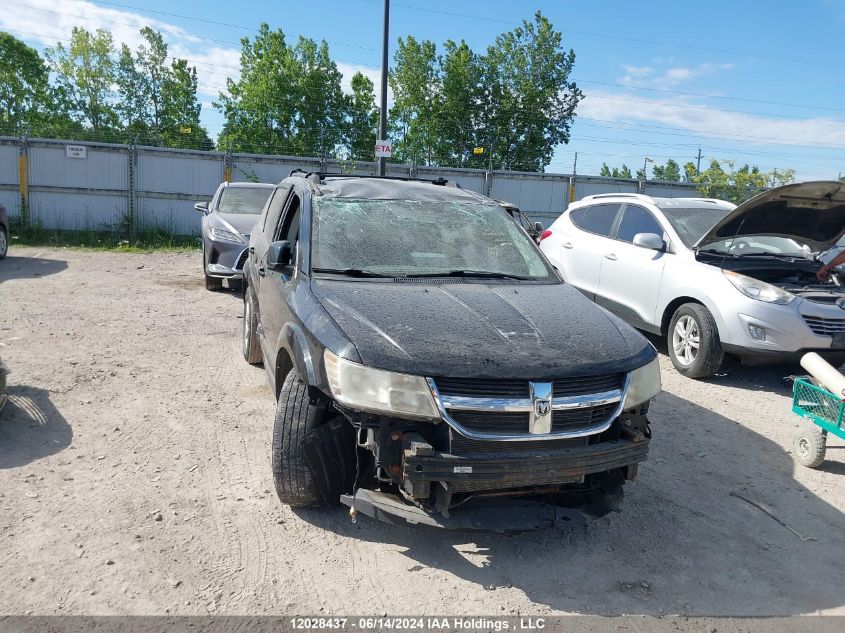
803 447
685 340
247 324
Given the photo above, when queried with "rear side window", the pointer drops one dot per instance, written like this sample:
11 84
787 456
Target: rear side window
274 211
598 219
637 220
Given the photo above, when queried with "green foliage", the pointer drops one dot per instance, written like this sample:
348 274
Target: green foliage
25 93
722 180
85 73
670 172
146 240
616 172
363 119
414 80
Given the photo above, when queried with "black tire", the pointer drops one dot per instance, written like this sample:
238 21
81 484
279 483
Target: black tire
211 283
704 360
4 242
249 344
296 417
809 446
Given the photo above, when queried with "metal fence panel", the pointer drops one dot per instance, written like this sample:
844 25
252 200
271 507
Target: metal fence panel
172 215
471 179
586 186
104 167
9 191
671 190
75 211
184 172
272 169
535 193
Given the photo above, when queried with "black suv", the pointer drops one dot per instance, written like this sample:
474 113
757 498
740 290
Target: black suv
425 355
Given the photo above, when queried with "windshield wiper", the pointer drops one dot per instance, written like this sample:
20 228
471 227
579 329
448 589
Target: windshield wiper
713 251
350 272
482 274
769 254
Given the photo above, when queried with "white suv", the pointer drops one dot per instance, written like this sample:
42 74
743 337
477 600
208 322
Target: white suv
711 277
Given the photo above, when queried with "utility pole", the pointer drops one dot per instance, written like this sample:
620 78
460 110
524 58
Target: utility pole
698 163
575 165
383 114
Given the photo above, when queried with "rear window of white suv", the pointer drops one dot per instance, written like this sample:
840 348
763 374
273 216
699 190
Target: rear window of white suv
596 219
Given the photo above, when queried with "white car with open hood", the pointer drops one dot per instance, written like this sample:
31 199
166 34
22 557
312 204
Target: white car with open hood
711 277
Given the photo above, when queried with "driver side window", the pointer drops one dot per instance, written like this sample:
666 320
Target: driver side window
636 219
289 226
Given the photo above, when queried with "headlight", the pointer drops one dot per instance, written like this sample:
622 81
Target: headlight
224 236
379 391
756 289
644 385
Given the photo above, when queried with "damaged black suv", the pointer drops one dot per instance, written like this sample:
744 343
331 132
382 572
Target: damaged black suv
425 355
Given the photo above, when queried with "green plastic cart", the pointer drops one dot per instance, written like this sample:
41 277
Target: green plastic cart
824 410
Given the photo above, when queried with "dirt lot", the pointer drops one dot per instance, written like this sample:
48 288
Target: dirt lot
135 479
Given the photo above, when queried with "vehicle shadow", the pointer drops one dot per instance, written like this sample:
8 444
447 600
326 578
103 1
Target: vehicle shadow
688 540
16 267
30 427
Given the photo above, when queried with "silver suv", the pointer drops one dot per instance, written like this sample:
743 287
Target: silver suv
711 277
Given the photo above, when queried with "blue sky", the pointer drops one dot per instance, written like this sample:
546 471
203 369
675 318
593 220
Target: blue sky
759 82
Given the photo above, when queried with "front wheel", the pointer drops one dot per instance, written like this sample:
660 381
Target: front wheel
4 243
693 341
810 446
251 347
211 283
296 417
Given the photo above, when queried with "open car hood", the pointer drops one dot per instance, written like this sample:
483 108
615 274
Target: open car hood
808 212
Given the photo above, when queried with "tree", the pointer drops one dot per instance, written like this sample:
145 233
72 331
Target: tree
180 110
320 115
85 74
530 102
670 172
607 172
25 92
414 82
740 184
456 107
363 119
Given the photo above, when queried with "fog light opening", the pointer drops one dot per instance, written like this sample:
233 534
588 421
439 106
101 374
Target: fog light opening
758 333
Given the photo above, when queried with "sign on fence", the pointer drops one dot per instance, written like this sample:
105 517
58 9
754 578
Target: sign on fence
76 151
384 149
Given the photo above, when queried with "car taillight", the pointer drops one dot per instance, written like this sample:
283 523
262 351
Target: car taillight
545 234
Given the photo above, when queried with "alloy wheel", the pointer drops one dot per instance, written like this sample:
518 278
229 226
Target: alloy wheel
686 340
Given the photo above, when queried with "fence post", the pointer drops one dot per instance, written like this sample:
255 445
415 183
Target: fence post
132 192
227 165
23 179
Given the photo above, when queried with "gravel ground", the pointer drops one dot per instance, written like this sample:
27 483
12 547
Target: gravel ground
135 479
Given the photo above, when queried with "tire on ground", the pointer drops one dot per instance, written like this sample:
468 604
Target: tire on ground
710 353
213 283
296 417
251 347
5 241
809 446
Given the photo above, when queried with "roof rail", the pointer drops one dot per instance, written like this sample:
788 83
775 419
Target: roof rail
635 196
324 174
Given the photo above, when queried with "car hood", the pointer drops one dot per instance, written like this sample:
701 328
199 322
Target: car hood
481 330
809 212
241 222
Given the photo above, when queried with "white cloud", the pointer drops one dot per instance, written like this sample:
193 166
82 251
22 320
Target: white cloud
644 76
699 118
47 22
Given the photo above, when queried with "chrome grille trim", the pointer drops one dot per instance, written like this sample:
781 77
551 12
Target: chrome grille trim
524 405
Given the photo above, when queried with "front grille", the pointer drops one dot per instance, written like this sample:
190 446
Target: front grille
825 326
241 260
518 388
517 423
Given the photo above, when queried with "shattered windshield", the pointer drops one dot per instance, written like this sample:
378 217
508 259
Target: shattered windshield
427 238
243 200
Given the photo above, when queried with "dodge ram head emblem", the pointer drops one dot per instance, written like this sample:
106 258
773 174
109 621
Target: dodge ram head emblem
540 418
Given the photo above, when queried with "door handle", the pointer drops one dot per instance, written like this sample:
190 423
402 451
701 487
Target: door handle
611 256
262 271
252 250
566 244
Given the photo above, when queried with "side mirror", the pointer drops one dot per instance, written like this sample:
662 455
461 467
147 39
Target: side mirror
279 255
538 227
651 241
202 207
